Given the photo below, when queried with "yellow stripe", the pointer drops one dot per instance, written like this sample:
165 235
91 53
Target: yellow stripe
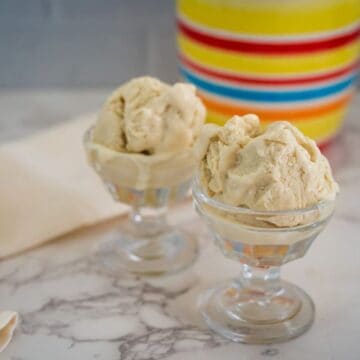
317 128
271 18
261 64
323 127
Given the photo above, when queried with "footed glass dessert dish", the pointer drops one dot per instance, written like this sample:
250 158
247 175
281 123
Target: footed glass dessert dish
145 244
257 306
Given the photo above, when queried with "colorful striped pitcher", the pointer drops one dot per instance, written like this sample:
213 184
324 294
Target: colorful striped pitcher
292 60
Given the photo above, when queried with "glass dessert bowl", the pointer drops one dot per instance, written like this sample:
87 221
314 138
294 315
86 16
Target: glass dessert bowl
145 244
259 307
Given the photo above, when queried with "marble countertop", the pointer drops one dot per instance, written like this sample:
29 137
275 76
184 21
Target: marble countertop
70 308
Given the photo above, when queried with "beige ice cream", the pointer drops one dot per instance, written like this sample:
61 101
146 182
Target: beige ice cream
148 116
278 169
144 134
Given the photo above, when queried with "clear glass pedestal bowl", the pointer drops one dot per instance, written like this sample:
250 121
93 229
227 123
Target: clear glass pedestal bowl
144 244
257 306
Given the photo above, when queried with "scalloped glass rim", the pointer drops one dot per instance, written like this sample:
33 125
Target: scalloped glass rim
200 196
87 139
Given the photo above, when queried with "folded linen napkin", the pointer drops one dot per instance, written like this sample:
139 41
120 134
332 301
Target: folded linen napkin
8 321
47 188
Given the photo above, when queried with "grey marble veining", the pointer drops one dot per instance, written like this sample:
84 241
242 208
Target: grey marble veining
65 297
71 308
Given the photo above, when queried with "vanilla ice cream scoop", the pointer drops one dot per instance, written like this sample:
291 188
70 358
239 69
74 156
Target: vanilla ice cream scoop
278 169
148 116
144 135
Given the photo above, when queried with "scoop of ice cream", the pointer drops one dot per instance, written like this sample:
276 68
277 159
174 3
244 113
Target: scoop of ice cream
217 149
148 116
278 169
144 135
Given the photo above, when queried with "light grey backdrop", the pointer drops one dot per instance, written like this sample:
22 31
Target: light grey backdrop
85 43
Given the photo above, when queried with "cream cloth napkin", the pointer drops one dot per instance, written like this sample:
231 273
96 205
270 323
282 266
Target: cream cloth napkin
8 321
47 189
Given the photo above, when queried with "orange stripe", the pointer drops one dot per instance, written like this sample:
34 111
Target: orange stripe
278 114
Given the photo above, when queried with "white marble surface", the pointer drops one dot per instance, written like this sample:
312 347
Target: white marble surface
72 309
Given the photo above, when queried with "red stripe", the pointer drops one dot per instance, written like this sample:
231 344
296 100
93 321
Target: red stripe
259 47
325 144
267 81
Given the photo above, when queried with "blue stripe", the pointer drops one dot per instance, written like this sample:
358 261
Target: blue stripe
268 96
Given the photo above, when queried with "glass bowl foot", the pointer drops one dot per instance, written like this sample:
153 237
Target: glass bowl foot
242 315
148 255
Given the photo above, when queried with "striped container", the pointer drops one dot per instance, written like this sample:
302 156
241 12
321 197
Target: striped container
292 60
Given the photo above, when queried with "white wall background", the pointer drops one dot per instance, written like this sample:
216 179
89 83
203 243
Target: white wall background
85 43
